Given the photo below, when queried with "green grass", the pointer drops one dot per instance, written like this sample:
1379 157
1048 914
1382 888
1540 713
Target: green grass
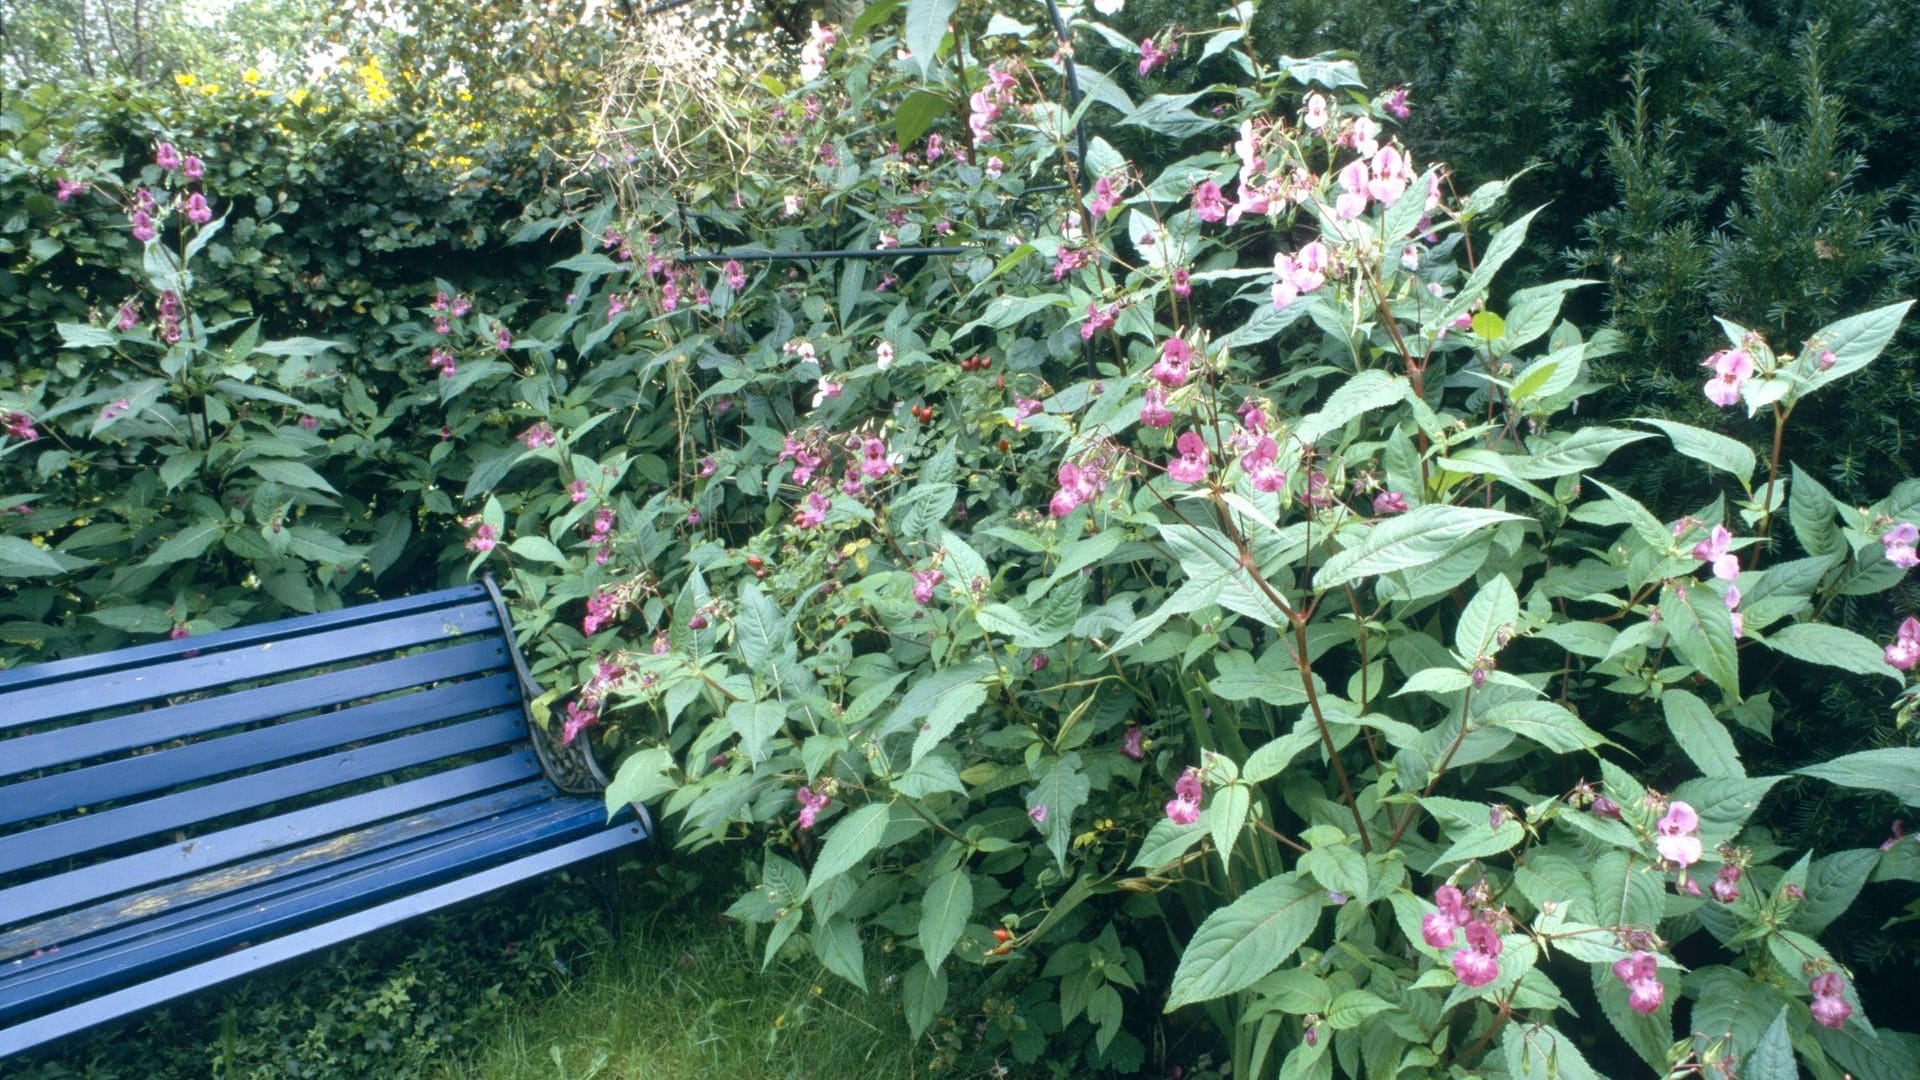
682 995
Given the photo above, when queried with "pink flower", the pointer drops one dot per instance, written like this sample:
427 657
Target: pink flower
1827 360
1025 407
1476 965
461 305
179 632
924 582
578 719
1899 544
577 491
1731 369
143 229
1098 319
442 361
1208 203
1899 834
1184 807
1261 465
1182 283
883 355
309 423
995 167
1037 813
814 514
166 157
1389 502
115 410
1677 843
1131 742
20 426
1171 370
1830 1008
1716 548
1151 56
616 304
1394 103
736 277
64 190
1104 198
539 435
1640 974
1315 116
826 390
936 148
1905 650
1191 466
483 538
198 211
1726 884
193 167
1153 408
874 461
127 317
502 340
811 803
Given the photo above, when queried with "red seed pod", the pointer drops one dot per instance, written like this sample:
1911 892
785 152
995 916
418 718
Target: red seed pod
986 362
1002 935
1003 446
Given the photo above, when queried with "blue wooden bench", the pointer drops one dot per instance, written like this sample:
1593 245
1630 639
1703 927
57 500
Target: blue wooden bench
176 815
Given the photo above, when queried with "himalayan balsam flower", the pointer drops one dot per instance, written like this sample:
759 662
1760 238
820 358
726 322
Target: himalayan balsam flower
198 211
1437 927
64 190
143 229
1151 56
1098 319
127 317
1677 843
442 360
883 355
309 423
1208 203
193 168
577 491
1184 807
814 514
1172 369
1262 465
1477 964
115 410
483 538
924 582
539 435
1191 466
1182 283
1731 370
874 459
1899 545
1905 650
811 803
736 277
1394 103
1830 1008
1716 549
578 719
1132 742
1639 973
1726 884
1389 502
1315 116
1153 408
1038 813
166 157
19 425
1104 199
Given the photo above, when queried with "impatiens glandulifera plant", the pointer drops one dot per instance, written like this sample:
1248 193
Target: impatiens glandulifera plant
1255 636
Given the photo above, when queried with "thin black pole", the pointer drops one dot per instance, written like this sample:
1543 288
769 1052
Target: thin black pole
853 253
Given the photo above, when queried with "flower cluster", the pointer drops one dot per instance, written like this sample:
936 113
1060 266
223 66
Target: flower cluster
602 539
483 536
1079 484
19 425
811 803
1830 1008
985 103
1477 963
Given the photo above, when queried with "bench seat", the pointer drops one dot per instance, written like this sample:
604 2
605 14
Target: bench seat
176 815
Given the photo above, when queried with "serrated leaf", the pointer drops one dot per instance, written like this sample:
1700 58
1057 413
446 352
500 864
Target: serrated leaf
1539 1052
850 841
1413 539
1833 646
837 944
1241 943
539 549
644 776
1894 770
1166 842
1365 392
925 994
1709 448
926 27
1585 449
1227 818
1810 511
1062 788
944 912
1855 342
189 543
1700 734
1493 608
1772 1057
1831 886
1551 725
21 558
1353 1006
1697 623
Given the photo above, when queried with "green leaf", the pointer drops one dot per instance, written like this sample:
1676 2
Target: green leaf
1227 818
1352 1007
1584 449
1833 646
1062 789
1810 511
1831 886
1166 842
539 549
21 558
1169 115
1539 1052
837 944
1772 1057
916 114
1493 608
134 618
1709 448
303 348
82 336
1546 723
186 544
1241 943
756 722
1365 392
1854 341
643 777
1241 678
763 634
1700 734
1265 323
1697 623
1504 245
925 996
1894 770
851 839
926 27
1647 527
944 912
1724 804
1414 539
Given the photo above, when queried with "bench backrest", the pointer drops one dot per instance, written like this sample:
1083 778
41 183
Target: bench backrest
124 770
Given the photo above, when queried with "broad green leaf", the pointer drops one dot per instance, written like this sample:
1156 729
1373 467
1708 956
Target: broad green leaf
1410 540
1169 115
22 558
1724 804
539 549
644 776
1772 1057
1831 886
944 912
756 722
1265 322
1700 734
82 336
1539 1052
1833 646
762 632
1810 511
1854 341
1352 1007
1709 448
1547 723
926 27
1697 623
1647 527
925 994
1531 312
186 544
1585 449
1502 247
1627 891
1062 789
837 944
134 618
1273 757
1894 770
1241 678
851 840
916 114
1239 944
1369 390
1227 818
1166 842
1492 609
1479 840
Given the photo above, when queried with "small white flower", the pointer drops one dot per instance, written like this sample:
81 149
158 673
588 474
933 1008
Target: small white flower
1109 8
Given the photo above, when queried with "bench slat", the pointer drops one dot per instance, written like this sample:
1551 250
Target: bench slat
278 656
91 832
245 961
71 971
77 887
58 671
128 916
81 742
109 781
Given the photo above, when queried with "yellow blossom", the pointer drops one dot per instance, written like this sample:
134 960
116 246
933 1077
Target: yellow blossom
250 76
183 79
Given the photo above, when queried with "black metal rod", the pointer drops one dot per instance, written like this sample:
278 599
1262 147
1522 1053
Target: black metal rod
1073 79
854 253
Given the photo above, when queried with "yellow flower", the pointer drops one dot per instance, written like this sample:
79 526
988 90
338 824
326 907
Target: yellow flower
183 79
298 95
210 89
250 76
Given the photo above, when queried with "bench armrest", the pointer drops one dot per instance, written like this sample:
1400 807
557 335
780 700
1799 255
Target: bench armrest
572 767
